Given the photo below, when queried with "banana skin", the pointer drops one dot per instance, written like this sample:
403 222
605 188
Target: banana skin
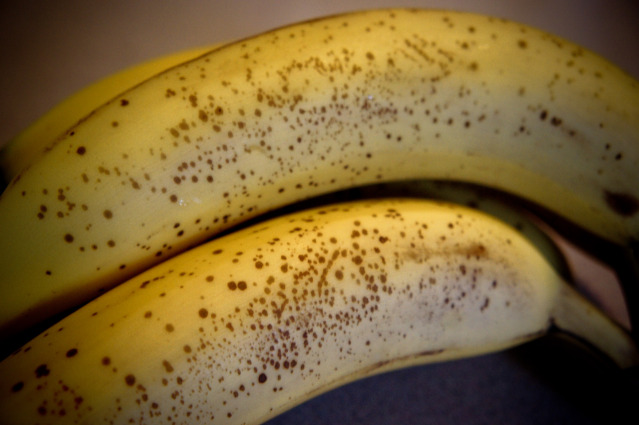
37 138
251 324
309 109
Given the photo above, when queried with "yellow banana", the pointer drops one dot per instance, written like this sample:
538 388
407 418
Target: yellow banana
36 139
308 109
479 198
253 323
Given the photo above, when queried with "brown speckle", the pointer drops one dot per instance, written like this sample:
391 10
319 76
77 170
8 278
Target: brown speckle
41 371
167 366
129 380
485 304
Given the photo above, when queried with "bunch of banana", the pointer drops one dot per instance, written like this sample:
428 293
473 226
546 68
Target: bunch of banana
248 325
113 204
308 109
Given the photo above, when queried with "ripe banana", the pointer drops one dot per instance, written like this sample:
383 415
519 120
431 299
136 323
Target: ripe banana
253 323
308 109
486 201
35 139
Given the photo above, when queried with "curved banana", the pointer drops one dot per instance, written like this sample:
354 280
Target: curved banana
485 201
242 328
313 108
35 140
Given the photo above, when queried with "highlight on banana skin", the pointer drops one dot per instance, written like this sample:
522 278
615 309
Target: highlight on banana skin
147 208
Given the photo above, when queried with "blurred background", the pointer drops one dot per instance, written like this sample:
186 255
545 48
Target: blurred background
50 49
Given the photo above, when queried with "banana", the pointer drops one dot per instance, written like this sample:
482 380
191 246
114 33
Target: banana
312 108
34 140
488 202
255 322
